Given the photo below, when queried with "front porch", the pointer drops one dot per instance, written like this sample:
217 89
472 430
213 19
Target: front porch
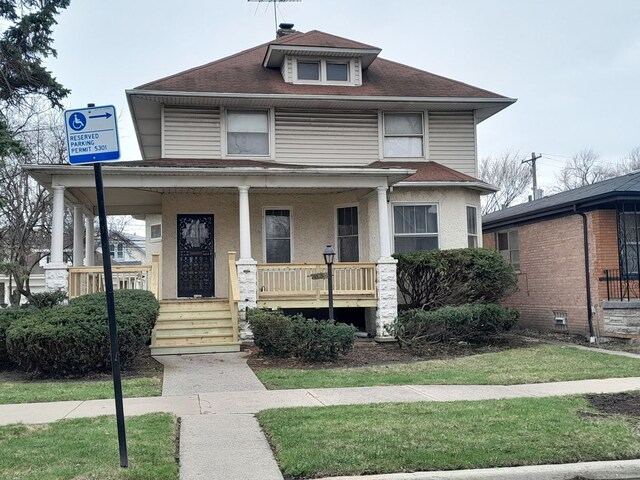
209 325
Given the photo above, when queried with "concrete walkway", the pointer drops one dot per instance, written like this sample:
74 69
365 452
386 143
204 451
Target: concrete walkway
217 395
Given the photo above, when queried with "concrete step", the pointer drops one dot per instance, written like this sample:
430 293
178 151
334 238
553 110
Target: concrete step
194 315
195 349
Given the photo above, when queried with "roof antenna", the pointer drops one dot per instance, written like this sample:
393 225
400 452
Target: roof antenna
275 8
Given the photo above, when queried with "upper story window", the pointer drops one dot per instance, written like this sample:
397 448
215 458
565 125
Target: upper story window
247 132
330 72
117 251
403 135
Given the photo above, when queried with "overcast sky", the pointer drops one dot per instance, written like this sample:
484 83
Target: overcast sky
574 66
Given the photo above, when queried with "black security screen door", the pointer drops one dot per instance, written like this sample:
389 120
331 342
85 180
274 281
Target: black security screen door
195 256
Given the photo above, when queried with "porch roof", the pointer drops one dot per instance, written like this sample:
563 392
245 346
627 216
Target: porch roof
140 185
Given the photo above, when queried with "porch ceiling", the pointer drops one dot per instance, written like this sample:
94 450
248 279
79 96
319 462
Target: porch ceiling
138 190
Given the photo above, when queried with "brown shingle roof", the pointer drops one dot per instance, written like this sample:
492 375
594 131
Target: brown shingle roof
243 73
428 172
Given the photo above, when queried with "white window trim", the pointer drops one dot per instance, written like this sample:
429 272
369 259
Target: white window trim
335 222
351 69
155 239
477 234
425 136
264 232
392 221
271 134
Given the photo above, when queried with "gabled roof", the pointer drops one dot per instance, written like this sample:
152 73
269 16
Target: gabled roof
243 73
601 194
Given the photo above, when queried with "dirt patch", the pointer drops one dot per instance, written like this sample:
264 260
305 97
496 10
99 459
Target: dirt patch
367 352
616 403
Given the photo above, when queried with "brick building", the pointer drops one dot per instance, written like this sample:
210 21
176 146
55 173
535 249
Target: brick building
576 255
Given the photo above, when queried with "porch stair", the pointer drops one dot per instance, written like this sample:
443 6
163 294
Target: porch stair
188 326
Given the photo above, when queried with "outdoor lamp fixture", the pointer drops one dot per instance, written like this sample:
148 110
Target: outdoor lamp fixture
329 254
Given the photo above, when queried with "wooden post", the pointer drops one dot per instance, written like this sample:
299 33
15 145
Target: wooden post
154 284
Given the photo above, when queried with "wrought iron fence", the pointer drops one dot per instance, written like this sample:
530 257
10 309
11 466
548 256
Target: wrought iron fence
621 287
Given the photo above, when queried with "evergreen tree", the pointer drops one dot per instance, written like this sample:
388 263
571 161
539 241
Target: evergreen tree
25 42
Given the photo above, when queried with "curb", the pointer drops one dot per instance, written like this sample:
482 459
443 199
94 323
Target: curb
619 469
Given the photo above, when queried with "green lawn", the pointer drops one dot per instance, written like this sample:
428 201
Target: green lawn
50 391
547 363
88 449
383 438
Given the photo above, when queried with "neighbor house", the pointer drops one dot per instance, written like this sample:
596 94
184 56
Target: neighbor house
576 255
252 164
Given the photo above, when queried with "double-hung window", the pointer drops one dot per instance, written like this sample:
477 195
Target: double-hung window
629 234
348 250
472 226
415 227
323 71
509 247
117 250
403 135
247 132
277 228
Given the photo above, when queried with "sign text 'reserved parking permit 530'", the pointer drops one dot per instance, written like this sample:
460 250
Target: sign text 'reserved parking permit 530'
92 134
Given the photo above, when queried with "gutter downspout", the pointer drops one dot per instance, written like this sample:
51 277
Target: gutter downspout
592 337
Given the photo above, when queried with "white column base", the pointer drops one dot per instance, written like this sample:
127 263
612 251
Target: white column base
387 297
56 276
248 290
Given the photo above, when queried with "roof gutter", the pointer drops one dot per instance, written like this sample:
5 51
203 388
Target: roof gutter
483 187
587 272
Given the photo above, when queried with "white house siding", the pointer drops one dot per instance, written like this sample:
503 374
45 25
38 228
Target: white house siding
313 220
326 137
452 140
191 133
452 211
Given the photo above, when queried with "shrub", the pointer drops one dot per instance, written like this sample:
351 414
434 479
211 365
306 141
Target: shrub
436 278
472 322
48 299
279 335
74 339
7 317
272 332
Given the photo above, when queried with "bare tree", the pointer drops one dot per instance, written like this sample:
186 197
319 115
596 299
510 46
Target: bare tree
25 206
585 168
630 163
509 174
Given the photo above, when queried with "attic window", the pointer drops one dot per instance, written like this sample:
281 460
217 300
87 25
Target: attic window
325 72
308 71
337 72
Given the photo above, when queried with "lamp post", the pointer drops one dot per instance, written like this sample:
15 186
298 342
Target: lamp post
329 254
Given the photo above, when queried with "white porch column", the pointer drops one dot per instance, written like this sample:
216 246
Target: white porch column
78 232
246 265
89 246
56 269
387 287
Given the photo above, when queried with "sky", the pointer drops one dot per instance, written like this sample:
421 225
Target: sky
574 66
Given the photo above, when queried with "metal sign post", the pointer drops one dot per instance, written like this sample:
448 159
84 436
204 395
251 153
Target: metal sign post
92 137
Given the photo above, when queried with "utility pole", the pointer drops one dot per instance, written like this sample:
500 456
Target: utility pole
533 172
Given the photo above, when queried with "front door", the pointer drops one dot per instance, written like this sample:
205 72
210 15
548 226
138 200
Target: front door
195 256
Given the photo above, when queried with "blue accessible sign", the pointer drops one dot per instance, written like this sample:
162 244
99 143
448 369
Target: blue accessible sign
92 134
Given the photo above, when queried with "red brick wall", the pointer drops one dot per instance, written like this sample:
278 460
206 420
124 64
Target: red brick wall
604 252
551 274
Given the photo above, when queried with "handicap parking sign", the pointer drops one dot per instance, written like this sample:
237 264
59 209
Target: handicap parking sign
92 134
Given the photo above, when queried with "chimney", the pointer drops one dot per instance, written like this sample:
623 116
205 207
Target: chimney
285 29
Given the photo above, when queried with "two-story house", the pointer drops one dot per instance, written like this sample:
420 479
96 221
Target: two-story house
274 153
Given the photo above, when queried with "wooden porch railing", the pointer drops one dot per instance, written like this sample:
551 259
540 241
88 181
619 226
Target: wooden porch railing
234 294
84 280
293 280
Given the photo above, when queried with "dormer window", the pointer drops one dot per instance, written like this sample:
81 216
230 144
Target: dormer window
324 72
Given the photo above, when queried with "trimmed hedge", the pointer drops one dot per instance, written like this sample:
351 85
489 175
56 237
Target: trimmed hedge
74 339
7 317
436 278
472 322
279 335
48 299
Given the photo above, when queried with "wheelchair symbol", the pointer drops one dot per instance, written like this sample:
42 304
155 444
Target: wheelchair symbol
77 121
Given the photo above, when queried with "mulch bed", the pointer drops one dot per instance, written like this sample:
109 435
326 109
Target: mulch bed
616 403
367 352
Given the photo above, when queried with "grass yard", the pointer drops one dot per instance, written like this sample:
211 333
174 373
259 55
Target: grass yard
88 449
54 391
384 438
545 363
